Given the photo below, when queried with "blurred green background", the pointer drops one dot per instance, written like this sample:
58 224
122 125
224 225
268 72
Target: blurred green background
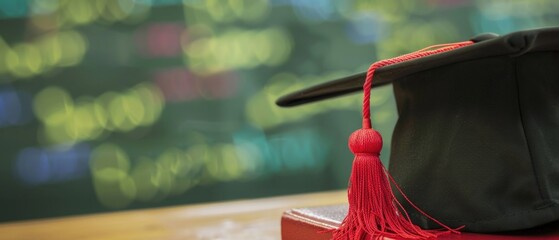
124 104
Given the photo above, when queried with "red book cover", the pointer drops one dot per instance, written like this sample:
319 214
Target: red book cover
315 224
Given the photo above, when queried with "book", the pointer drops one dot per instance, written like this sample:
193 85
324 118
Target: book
317 223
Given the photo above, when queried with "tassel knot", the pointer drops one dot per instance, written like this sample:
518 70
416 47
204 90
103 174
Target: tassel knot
365 141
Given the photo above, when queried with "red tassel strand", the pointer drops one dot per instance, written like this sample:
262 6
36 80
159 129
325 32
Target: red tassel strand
374 212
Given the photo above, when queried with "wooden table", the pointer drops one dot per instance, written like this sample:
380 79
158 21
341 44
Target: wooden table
246 219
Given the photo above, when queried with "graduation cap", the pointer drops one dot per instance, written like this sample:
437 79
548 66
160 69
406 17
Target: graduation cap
476 144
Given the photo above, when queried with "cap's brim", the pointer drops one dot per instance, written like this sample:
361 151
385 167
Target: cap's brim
486 45
345 85
326 90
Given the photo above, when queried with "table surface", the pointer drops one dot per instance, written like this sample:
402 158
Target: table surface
245 219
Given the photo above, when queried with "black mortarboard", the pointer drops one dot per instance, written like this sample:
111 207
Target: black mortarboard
477 139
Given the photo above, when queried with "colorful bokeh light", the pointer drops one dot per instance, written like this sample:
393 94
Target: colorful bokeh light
37 166
122 104
67 121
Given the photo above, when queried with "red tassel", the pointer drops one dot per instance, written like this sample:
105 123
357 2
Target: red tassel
374 212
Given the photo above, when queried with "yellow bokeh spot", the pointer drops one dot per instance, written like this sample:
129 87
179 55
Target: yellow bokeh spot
231 167
163 179
127 6
259 113
113 11
128 187
170 159
238 49
24 60
110 174
250 158
12 60
172 162
263 46
100 5
142 173
74 49
259 108
104 101
186 167
218 11
118 117
110 167
32 58
201 155
53 105
226 10
282 46
83 124
249 10
51 51
81 11
223 163
99 114
237 6
111 194
133 107
152 101
212 167
56 134
109 162
17 62
66 121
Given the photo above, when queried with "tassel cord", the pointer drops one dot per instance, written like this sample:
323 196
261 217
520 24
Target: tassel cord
410 56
